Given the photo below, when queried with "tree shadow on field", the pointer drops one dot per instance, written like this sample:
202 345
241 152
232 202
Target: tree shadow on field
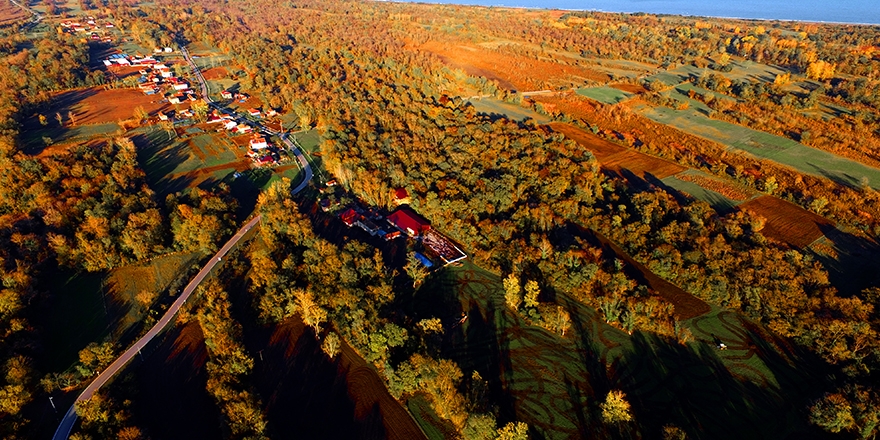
305 394
159 156
688 386
481 343
853 268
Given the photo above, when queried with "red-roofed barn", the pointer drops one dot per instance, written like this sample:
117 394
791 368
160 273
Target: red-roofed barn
408 221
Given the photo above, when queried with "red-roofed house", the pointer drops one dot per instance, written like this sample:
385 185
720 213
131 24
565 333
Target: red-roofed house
349 217
408 221
258 143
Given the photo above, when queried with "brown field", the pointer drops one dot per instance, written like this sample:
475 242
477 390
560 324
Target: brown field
630 88
342 398
787 222
726 189
215 73
97 106
10 12
619 158
641 164
511 72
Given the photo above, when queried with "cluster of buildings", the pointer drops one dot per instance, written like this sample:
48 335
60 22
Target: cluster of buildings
96 30
403 222
262 152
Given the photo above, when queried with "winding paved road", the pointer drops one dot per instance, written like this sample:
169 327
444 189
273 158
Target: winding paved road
66 425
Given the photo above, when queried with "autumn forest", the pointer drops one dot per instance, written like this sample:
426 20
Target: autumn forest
356 219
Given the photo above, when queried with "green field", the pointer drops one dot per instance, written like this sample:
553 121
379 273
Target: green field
164 160
605 95
767 146
33 139
97 307
746 391
680 93
492 106
215 86
425 416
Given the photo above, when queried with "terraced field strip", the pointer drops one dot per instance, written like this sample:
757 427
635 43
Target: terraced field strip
767 146
788 222
722 194
605 95
619 158
510 111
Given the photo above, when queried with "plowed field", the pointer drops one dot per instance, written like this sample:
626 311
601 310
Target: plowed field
97 106
787 222
618 158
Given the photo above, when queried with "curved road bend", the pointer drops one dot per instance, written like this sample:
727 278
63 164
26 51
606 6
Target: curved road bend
66 425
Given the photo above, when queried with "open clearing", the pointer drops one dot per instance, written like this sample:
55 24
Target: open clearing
97 106
553 383
788 222
767 146
125 283
605 95
10 12
514 73
177 163
494 107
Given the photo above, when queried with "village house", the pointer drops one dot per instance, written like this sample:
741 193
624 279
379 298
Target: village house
349 217
258 143
254 112
226 94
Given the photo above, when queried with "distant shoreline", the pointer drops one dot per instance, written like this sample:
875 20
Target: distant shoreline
659 14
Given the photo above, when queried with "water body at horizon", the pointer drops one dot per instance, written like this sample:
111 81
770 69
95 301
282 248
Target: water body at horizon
842 11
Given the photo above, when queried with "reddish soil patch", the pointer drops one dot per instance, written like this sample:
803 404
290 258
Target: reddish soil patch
787 222
97 106
641 164
10 12
242 140
630 88
215 73
511 72
598 146
307 393
619 158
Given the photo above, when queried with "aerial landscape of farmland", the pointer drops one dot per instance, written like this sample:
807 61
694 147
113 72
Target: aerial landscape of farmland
395 220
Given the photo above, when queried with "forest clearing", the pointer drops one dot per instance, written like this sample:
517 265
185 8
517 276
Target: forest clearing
513 73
